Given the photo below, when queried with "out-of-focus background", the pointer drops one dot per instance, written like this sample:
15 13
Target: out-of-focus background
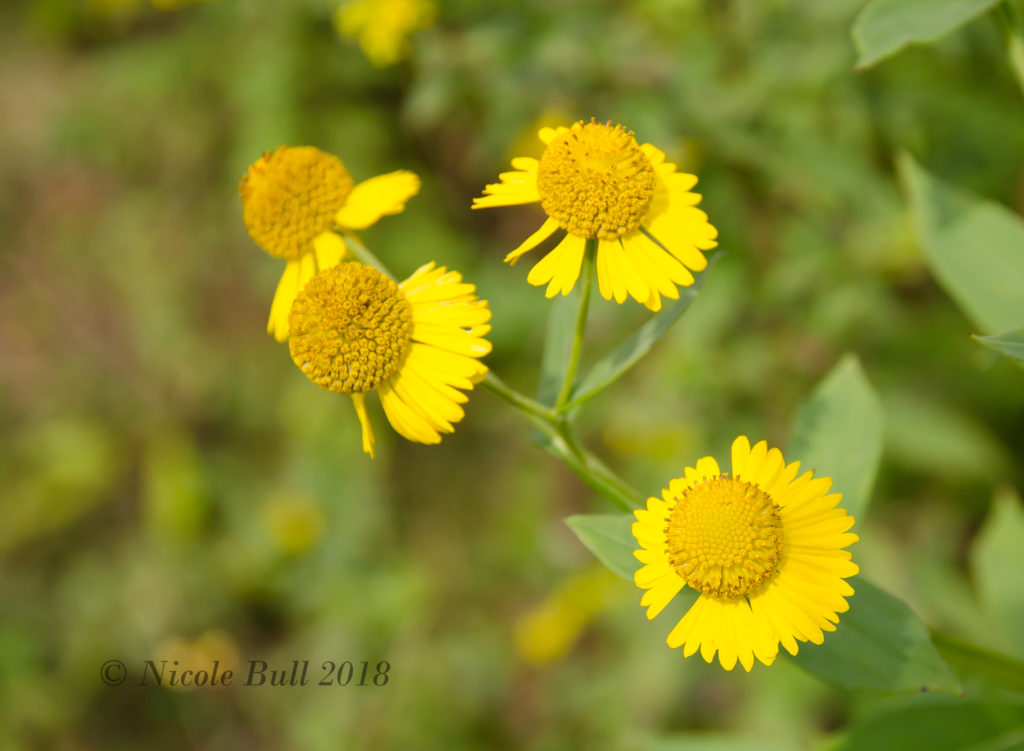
171 487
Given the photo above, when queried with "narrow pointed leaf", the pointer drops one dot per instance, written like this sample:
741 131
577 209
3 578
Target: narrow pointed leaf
613 365
974 247
885 27
838 433
1010 344
879 644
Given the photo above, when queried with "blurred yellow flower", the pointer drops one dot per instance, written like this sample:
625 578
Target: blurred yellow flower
295 522
548 631
354 330
383 27
292 200
192 663
763 547
594 181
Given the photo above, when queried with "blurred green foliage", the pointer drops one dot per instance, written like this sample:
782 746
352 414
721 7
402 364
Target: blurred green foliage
167 472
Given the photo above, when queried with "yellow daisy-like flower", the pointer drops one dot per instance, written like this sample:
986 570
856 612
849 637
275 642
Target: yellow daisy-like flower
294 198
383 27
763 547
354 330
595 182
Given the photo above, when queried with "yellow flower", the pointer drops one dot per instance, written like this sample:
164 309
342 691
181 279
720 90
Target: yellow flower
383 27
763 547
594 181
293 198
353 330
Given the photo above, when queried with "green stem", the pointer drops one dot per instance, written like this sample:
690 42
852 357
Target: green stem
586 282
363 254
563 443
518 400
970 659
1012 22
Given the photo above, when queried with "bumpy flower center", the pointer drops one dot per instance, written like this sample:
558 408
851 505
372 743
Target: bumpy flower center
350 328
595 181
724 537
290 196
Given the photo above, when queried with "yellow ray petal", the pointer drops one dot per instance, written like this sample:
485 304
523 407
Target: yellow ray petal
329 250
623 266
558 263
406 421
546 230
377 197
656 598
285 294
546 134
451 339
688 626
773 464
359 402
740 456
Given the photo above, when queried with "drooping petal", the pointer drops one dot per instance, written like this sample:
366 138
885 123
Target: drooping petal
329 250
359 402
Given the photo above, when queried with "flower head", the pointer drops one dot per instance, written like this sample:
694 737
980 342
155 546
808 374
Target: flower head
292 201
383 27
354 330
597 183
764 548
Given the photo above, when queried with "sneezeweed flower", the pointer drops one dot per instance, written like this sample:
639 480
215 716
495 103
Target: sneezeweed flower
417 343
595 182
762 546
292 201
383 27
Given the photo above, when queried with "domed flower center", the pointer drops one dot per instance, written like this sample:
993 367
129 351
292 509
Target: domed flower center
724 537
349 328
595 181
290 196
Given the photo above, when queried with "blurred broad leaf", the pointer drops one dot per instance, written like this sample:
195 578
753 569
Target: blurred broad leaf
709 742
879 645
998 560
885 27
611 367
838 433
939 440
941 724
974 247
1010 344
610 538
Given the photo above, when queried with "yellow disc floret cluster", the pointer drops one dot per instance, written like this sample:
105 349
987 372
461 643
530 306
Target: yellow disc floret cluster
292 195
724 537
595 181
350 328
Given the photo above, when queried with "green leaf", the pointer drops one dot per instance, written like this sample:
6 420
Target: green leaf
610 538
975 248
1010 343
880 645
838 432
611 367
885 27
941 724
997 561
557 345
